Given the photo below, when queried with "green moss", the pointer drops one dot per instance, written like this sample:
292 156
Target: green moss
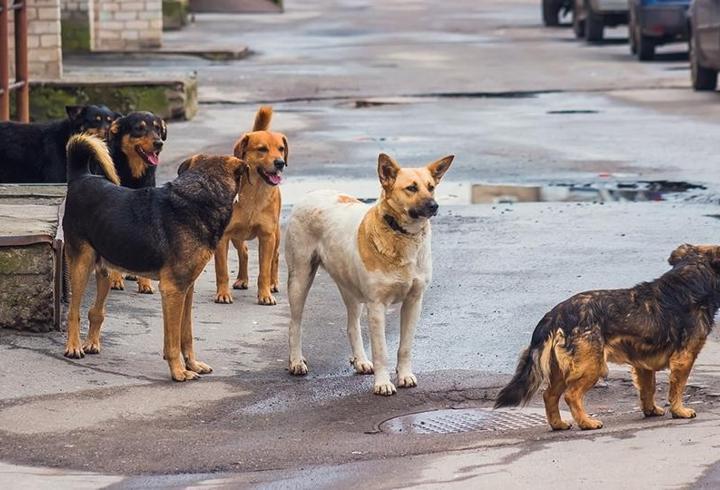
75 35
175 14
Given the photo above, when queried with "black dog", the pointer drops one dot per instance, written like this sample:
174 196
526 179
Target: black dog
135 143
652 326
36 152
167 233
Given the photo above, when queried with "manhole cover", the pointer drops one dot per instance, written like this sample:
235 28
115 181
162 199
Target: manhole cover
466 420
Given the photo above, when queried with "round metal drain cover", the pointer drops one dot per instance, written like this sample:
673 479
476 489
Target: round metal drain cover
465 420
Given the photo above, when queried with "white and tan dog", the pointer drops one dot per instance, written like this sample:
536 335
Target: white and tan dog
377 255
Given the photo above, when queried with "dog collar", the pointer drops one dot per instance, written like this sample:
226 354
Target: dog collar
394 225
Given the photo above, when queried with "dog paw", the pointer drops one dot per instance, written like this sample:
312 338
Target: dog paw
91 347
362 366
117 284
240 284
298 368
590 424
654 412
266 299
74 351
384 388
198 367
144 286
406 380
274 288
684 413
561 425
224 297
184 375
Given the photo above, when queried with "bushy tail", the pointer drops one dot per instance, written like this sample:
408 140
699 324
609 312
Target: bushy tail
533 368
84 150
262 118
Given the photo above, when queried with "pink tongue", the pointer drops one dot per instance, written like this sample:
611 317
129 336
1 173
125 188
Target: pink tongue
274 178
153 158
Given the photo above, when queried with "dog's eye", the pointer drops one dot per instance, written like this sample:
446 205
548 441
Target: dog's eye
412 188
98 118
282 149
262 149
431 187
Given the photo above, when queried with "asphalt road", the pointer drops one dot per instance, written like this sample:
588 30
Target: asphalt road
516 103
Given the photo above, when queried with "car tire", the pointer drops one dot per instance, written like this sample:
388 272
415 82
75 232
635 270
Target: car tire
578 26
594 25
645 47
551 12
703 79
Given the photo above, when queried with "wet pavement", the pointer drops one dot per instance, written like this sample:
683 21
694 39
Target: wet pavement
517 104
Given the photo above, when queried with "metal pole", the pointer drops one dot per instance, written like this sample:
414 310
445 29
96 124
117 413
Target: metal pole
4 63
22 97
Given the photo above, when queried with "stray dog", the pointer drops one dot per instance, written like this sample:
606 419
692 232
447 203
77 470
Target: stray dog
35 153
377 256
257 211
135 142
652 326
166 233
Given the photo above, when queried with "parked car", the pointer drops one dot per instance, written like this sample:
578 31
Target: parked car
554 10
704 45
590 17
656 22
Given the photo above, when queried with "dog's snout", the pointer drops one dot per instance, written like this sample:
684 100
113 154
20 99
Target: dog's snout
158 145
431 207
279 163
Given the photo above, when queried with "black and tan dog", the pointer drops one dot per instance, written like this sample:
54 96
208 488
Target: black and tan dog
135 142
36 152
652 326
167 233
257 211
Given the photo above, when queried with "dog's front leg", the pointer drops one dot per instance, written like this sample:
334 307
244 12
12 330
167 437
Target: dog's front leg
680 366
186 340
173 304
267 253
409 315
376 319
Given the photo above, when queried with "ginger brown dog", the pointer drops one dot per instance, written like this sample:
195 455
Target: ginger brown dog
165 233
652 326
256 213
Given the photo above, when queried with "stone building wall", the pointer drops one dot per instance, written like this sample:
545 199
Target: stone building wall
126 25
44 43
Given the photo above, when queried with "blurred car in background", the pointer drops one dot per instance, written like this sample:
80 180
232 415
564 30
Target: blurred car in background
656 22
554 10
590 17
704 45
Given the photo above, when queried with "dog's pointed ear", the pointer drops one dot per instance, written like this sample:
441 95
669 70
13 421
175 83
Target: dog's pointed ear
387 171
74 112
185 165
287 149
680 253
438 168
117 115
240 149
163 130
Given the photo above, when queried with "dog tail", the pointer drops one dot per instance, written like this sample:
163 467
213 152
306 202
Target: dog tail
262 118
532 369
84 151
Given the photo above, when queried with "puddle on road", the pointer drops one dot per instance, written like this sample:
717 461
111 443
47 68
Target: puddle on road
458 193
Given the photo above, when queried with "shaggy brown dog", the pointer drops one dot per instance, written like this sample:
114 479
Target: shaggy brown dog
653 326
257 211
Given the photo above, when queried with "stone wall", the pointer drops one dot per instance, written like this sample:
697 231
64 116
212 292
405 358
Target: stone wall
44 43
127 25
76 33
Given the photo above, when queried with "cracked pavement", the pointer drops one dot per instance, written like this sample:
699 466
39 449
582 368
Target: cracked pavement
516 103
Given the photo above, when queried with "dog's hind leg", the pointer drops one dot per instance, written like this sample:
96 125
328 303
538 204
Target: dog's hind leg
551 397
359 359
243 279
681 364
644 380
96 315
376 319
275 284
173 305
80 262
301 273
409 315
586 366
186 340
221 272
